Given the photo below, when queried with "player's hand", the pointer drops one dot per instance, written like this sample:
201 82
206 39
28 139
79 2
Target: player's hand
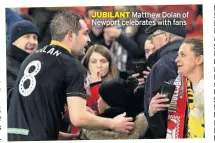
157 104
123 124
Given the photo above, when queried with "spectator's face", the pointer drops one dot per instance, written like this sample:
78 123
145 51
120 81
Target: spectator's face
187 61
27 42
149 48
81 39
159 39
102 105
98 63
107 36
97 29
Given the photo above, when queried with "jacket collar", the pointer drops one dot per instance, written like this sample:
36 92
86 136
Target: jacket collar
171 47
16 53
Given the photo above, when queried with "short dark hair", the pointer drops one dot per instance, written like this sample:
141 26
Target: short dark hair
92 8
197 45
63 22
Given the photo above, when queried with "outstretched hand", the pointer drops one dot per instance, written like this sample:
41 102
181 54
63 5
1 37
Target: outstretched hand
123 124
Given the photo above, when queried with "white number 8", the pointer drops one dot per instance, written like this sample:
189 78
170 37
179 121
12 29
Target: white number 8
29 76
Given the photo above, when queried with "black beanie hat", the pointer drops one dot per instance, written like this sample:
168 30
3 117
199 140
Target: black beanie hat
116 92
179 30
21 28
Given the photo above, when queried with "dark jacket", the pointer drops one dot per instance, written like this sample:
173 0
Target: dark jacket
94 39
164 69
135 52
141 127
15 57
42 17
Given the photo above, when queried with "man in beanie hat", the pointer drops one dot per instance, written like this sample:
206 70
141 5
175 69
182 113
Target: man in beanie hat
24 35
24 41
117 97
166 40
52 77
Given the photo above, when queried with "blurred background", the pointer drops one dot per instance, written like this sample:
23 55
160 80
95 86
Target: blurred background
127 43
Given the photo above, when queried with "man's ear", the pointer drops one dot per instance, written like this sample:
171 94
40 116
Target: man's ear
168 37
71 36
200 60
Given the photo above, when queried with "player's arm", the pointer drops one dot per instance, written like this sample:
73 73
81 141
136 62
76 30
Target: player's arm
81 118
76 100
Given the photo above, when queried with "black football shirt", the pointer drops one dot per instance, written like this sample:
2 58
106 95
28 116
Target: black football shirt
46 78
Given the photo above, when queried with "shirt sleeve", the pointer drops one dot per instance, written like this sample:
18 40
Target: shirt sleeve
75 83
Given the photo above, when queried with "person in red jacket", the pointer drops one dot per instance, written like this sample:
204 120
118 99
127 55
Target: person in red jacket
99 62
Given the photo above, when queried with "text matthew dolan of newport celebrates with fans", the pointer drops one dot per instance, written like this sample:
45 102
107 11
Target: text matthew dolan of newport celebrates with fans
48 79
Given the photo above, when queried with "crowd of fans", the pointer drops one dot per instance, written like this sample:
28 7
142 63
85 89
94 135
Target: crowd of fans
169 53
